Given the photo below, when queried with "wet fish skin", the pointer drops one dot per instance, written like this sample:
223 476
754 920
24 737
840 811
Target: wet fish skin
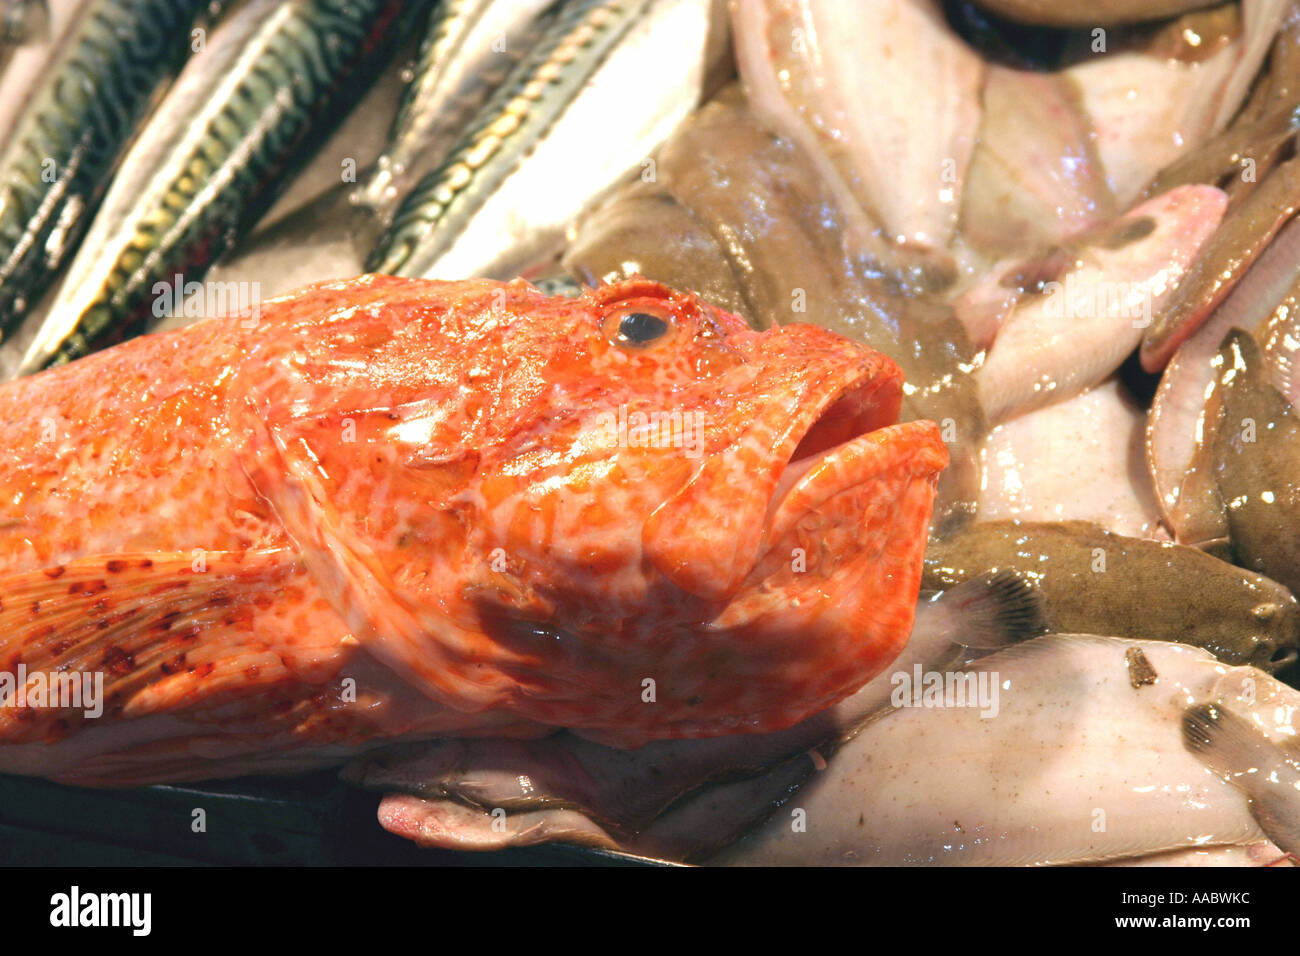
1086 576
770 244
500 203
1219 162
1187 404
1074 329
1245 232
1256 455
1072 734
1035 177
360 469
211 156
106 72
717 244
1260 132
1156 102
1199 515
644 230
1080 459
453 74
1074 686
898 183
1238 752
467 50
582 35
627 795
1278 336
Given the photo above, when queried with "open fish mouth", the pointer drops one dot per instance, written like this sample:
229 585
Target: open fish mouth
851 501
851 437
867 403
810 481
841 530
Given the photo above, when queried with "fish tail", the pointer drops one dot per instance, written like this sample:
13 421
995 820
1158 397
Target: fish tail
1224 741
1231 746
996 609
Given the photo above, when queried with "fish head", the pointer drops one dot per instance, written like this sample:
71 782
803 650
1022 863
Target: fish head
1275 645
582 495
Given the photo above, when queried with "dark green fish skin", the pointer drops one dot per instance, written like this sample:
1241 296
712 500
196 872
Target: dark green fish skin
319 57
448 63
1093 581
430 218
54 167
1257 463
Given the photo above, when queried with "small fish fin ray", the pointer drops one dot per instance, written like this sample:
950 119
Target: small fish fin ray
998 608
1225 741
162 631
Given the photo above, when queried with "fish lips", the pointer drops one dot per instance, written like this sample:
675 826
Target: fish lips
835 434
808 482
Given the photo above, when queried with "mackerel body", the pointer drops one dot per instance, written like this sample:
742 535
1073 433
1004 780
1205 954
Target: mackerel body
571 120
272 75
467 50
98 84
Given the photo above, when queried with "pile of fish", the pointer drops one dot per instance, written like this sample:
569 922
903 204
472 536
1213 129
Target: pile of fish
122 177
967 530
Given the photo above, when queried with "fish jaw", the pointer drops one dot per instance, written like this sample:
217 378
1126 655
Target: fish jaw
706 538
843 554
828 553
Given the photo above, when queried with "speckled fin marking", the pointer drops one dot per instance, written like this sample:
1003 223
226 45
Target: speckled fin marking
167 630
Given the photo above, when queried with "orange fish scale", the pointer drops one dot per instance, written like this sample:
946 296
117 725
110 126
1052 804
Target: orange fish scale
391 509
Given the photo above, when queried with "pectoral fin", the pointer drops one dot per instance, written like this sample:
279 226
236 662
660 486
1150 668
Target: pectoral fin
159 632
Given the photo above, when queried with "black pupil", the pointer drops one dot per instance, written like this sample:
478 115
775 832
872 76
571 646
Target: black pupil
641 327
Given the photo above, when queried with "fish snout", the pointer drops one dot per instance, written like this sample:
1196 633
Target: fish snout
1277 645
1271 656
707 538
1280 658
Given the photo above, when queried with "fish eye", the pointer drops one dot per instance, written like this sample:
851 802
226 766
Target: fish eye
638 326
